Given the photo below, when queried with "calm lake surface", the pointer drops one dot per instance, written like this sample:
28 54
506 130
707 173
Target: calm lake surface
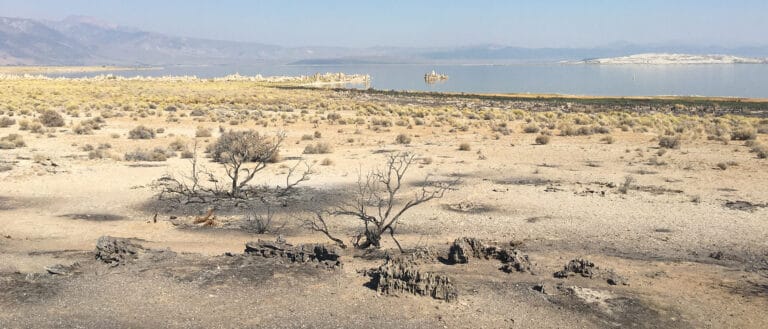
741 80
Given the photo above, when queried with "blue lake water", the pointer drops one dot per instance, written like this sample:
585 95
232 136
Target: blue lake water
740 80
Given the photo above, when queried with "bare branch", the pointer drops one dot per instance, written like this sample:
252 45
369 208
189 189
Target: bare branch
318 223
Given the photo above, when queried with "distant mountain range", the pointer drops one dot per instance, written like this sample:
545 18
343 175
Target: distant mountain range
86 41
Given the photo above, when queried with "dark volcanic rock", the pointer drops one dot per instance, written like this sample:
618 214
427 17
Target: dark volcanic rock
403 275
304 253
116 251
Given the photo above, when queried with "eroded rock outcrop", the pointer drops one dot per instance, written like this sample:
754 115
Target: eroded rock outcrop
402 275
464 249
319 254
116 251
577 266
588 269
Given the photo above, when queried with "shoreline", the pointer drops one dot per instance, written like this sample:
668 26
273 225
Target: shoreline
559 97
337 80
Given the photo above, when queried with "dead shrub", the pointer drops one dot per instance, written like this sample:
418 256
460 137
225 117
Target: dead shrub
743 134
141 132
202 132
319 148
542 139
403 139
11 141
670 142
608 139
6 122
51 118
156 154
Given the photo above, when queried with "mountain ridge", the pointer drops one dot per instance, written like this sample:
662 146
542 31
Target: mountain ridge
81 40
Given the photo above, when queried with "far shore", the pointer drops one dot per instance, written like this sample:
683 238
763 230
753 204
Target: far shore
70 69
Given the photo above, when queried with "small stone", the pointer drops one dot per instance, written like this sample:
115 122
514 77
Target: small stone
59 269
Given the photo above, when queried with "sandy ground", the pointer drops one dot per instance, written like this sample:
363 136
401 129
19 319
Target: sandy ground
560 201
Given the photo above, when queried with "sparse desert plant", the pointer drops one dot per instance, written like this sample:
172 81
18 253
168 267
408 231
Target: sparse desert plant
722 165
36 128
601 130
403 139
760 149
156 154
377 203
81 129
6 122
178 145
542 139
202 132
531 129
96 154
187 154
326 162
670 142
260 223
743 134
51 118
235 149
12 141
307 137
465 147
319 148
608 139
141 132
626 185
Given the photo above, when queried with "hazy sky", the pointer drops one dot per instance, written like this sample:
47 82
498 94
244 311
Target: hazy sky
553 23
